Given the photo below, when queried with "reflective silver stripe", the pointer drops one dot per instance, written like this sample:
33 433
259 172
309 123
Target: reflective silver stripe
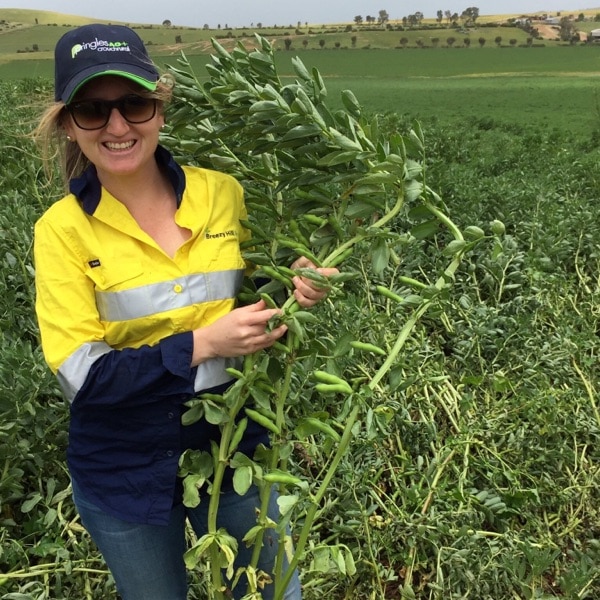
212 372
73 372
160 297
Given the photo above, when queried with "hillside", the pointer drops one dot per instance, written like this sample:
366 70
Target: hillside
17 17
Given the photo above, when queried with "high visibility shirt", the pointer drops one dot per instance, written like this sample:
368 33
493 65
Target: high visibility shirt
116 314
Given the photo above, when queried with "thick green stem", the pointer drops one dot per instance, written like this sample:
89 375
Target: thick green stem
411 323
213 507
281 585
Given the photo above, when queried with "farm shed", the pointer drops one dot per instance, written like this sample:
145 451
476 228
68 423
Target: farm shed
595 35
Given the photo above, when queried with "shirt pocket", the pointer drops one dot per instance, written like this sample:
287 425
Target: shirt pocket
227 256
119 285
114 273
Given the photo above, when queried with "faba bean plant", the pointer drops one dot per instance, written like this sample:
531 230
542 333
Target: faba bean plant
328 186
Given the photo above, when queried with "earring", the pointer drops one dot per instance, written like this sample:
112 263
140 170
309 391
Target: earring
69 138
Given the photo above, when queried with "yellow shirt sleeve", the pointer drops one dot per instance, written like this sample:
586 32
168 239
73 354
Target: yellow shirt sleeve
65 300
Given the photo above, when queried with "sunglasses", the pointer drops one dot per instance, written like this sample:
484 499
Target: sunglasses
94 114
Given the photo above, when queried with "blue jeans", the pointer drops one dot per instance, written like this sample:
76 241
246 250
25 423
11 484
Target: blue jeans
146 561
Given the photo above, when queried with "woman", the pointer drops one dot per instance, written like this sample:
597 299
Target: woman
137 269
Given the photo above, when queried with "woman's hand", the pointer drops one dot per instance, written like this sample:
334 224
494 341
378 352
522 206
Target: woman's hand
307 292
240 332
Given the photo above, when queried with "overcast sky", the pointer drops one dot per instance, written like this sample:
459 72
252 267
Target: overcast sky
239 13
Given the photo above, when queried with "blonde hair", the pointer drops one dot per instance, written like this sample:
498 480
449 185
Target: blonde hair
52 141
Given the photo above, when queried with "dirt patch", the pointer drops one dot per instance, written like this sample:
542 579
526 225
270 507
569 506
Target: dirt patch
548 32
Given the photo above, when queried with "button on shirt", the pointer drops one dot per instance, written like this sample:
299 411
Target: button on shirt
116 314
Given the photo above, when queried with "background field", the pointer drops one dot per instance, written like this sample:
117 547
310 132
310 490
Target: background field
551 86
560 90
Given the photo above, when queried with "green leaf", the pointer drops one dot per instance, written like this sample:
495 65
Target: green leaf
193 415
351 103
301 131
343 141
286 503
31 502
338 157
300 69
191 490
215 415
380 256
242 479
379 179
426 229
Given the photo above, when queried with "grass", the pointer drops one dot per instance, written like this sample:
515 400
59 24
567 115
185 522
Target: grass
558 90
545 87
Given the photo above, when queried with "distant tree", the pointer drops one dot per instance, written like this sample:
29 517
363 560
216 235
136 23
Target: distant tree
383 17
338 45
529 41
206 26
498 40
470 15
166 23
448 15
597 17
403 41
288 43
358 20
353 39
35 48
567 29
581 17
178 39
322 43
420 43
435 41
259 25
454 18
512 42
405 21
369 19
440 16
481 41
450 41
305 42
467 42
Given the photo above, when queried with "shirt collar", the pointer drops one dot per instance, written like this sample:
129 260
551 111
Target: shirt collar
88 190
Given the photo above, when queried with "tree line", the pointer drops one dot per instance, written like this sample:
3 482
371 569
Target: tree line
468 17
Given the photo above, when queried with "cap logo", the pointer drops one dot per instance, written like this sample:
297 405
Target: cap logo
100 46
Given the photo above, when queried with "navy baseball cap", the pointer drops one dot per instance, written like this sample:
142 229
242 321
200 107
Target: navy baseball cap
93 50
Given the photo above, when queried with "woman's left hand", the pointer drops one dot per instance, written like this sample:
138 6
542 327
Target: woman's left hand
307 292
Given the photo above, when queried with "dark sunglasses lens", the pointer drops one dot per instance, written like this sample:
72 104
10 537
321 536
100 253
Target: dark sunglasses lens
136 109
90 114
